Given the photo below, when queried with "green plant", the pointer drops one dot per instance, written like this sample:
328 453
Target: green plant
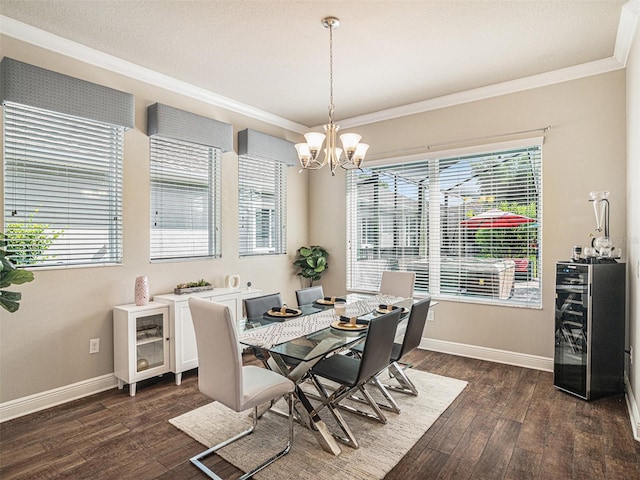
27 242
199 283
9 274
312 262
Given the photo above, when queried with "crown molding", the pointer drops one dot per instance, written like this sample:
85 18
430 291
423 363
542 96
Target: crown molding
40 38
527 83
626 30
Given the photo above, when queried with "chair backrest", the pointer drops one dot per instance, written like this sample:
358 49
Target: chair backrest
378 344
399 284
309 295
415 327
219 355
256 307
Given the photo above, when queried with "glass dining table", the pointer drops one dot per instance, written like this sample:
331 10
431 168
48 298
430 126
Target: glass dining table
293 346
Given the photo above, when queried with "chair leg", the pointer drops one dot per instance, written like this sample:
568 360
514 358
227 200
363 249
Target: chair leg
406 385
197 460
328 401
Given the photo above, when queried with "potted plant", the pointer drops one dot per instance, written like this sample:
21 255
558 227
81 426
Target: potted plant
10 275
312 262
192 287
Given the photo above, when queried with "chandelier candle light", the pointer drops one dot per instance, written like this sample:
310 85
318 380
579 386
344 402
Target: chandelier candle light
354 151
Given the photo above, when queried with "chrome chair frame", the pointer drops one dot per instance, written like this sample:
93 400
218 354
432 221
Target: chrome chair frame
223 378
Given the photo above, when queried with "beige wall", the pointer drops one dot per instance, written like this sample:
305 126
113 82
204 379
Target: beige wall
584 151
633 219
45 344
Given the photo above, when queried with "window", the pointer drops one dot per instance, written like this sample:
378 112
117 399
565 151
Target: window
185 199
262 190
62 188
468 226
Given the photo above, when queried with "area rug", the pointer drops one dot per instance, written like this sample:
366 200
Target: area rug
381 446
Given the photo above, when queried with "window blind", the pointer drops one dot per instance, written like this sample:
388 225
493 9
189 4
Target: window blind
468 226
185 199
62 188
262 186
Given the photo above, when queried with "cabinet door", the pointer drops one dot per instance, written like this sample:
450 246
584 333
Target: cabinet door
186 351
231 301
151 355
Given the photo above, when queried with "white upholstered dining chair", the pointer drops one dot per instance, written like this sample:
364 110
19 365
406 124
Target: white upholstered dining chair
223 378
396 283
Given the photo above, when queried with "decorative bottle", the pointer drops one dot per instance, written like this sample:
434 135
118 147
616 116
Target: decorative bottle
142 290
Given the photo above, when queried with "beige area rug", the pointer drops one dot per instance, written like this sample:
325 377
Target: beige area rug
381 446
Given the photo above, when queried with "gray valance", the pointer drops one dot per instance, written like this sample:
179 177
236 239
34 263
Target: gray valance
170 122
37 87
262 145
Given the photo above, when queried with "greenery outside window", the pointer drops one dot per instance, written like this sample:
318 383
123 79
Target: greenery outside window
62 188
425 216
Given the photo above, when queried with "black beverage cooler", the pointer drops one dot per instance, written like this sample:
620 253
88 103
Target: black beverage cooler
589 329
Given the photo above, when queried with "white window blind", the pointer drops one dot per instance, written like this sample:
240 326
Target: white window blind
261 206
468 226
62 188
185 200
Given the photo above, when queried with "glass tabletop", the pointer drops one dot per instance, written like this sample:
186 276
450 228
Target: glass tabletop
318 344
310 335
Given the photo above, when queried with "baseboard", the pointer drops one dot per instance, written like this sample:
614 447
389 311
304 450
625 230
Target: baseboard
489 354
632 405
40 401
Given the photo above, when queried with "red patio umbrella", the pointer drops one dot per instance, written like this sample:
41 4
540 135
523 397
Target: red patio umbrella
496 219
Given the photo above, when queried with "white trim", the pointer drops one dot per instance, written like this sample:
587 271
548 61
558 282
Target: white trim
489 354
40 38
40 401
626 30
596 67
632 406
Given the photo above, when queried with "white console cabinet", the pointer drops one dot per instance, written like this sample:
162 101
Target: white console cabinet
184 354
141 343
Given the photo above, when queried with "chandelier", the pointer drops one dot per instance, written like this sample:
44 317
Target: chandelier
353 150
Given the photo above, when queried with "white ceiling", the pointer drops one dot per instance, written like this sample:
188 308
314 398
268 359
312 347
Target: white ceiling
273 55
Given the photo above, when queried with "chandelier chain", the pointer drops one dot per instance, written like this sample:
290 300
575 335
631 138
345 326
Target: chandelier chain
331 106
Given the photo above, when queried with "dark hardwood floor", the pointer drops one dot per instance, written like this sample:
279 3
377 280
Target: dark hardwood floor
509 423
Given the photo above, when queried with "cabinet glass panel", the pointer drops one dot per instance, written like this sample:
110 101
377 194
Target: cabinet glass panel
149 342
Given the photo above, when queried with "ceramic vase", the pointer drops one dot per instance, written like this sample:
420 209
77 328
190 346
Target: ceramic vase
142 290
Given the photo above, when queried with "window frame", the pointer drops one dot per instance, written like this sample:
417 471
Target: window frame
430 246
270 192
174 166
82 225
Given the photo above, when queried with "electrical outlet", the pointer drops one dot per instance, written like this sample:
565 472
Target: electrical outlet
94 345
431 316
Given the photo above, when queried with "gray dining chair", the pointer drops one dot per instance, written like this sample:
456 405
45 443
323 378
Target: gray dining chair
223 378
352 374
396 283
309 295
410 341
256 307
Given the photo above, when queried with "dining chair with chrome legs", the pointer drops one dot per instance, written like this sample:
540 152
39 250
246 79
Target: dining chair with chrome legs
352 374
309 295
397 283
410 341
223 378
256 307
